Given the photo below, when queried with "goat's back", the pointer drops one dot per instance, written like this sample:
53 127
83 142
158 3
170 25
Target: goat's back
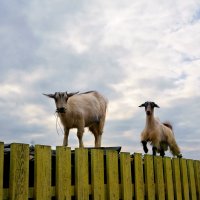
88 103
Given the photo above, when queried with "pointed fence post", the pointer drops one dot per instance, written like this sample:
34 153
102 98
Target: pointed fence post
177 178
42 172
192 184
197 176
63 172
112 175
81 174
126 179
97 174
139 177
184 179
159 177
19 171
168 178
149 177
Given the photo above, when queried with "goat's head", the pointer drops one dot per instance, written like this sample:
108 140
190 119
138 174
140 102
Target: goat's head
61 99
149 107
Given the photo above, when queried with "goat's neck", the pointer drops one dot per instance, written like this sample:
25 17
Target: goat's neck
150 121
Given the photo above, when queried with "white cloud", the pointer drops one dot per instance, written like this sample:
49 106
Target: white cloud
7 89
130 51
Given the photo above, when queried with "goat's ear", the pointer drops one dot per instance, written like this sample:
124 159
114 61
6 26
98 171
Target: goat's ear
155 105
50 95
71 94
142 105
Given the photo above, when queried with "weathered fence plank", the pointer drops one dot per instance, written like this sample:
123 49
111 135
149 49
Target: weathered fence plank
197 176
192 184
168 178
126 181
109 176
139 177
159 178
42 172
19 171
63 172
81 174
1 169
184 179
177 178
97 174
112 175
149 177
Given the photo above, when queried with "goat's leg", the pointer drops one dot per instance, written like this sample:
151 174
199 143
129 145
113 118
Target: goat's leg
144 143
97 137
100 129
154 150
97 140
174 148
162 152
66 134
80 137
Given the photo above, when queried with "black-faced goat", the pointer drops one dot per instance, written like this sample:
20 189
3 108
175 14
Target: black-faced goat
160 135
79 111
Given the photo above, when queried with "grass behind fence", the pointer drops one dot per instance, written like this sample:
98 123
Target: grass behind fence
96 174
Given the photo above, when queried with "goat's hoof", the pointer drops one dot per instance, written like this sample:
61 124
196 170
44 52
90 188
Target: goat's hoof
146 150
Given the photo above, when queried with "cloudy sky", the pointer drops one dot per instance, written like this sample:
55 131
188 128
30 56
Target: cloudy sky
130 51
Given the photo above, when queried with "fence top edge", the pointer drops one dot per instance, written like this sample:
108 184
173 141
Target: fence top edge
117 148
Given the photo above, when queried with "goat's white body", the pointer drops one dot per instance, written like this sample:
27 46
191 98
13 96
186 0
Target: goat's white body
84 110
159 135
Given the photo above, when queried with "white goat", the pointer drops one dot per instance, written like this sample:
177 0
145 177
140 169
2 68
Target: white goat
160 135
79 111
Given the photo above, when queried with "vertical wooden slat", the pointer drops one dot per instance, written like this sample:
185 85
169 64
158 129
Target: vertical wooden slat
139 177
19 171
42 172
1 169
184 179
168 178
192 184
63 173
197 176
149 177
126 182
112 175
97 174
177 178
81 174
159 178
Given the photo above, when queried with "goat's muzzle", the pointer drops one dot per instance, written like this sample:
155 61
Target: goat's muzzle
60 110
148 112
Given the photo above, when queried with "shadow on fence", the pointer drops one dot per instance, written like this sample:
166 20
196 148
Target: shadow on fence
99 174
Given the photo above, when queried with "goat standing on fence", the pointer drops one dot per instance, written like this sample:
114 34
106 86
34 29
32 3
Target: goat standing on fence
79 111
160 135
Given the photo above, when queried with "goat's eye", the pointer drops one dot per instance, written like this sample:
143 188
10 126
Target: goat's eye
56 100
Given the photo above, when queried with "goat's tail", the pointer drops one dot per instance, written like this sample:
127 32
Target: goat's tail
168 124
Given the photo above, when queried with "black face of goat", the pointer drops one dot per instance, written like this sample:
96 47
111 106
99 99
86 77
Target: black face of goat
149 107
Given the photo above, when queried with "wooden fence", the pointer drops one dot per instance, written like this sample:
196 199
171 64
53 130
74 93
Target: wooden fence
95 174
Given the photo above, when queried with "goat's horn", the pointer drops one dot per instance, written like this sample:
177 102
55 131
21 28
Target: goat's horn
142 105
71 94
50 95
155 105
